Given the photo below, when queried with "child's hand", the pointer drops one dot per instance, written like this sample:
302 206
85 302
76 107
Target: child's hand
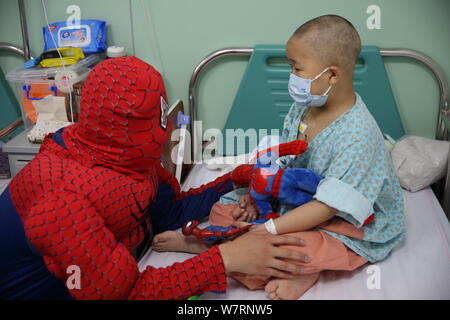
245 211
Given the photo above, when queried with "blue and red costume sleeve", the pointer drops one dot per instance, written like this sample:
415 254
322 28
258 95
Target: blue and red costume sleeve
173 207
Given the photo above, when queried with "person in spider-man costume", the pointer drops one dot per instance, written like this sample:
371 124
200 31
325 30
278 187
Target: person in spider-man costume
89 195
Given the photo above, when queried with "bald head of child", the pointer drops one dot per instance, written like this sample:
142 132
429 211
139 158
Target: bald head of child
328 41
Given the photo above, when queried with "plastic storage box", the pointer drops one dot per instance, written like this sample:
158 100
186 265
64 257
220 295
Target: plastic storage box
36 83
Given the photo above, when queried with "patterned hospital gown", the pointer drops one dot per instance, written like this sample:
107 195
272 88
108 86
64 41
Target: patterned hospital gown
359 178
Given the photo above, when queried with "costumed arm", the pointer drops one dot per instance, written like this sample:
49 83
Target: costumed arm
68 231
173 207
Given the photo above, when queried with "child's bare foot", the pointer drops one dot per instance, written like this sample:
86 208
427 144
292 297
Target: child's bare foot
174 241
290 289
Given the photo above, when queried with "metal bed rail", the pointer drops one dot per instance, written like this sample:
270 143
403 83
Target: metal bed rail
25 52
24 29
441 131
193 87
14 125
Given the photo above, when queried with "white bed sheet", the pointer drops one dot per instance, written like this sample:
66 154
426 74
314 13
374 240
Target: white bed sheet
419 268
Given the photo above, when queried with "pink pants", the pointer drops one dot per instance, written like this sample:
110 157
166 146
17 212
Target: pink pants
325 252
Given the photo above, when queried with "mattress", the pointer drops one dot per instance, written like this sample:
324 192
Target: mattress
419 268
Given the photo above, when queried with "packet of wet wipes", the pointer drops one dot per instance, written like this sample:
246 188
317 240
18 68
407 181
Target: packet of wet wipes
89 35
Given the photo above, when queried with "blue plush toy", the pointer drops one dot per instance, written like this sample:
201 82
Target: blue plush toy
267 181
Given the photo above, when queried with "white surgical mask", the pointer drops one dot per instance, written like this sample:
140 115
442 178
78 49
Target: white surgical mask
300 90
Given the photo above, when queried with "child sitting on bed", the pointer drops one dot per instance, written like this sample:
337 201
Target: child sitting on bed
346 147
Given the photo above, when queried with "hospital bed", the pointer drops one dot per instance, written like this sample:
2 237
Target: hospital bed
419 268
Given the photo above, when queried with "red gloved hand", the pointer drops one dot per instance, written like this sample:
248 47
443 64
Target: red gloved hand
241 175
292 148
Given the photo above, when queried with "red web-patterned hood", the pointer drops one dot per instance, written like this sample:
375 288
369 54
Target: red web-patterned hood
122 123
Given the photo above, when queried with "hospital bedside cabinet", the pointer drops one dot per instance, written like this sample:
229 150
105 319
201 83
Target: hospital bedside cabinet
20 151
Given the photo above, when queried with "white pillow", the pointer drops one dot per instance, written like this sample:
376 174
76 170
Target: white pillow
419 161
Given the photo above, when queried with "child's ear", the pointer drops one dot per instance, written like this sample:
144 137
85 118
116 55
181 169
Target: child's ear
336 74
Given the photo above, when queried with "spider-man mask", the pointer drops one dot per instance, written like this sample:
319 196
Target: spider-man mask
123 118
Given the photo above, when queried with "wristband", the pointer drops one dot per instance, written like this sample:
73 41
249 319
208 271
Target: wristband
270 227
